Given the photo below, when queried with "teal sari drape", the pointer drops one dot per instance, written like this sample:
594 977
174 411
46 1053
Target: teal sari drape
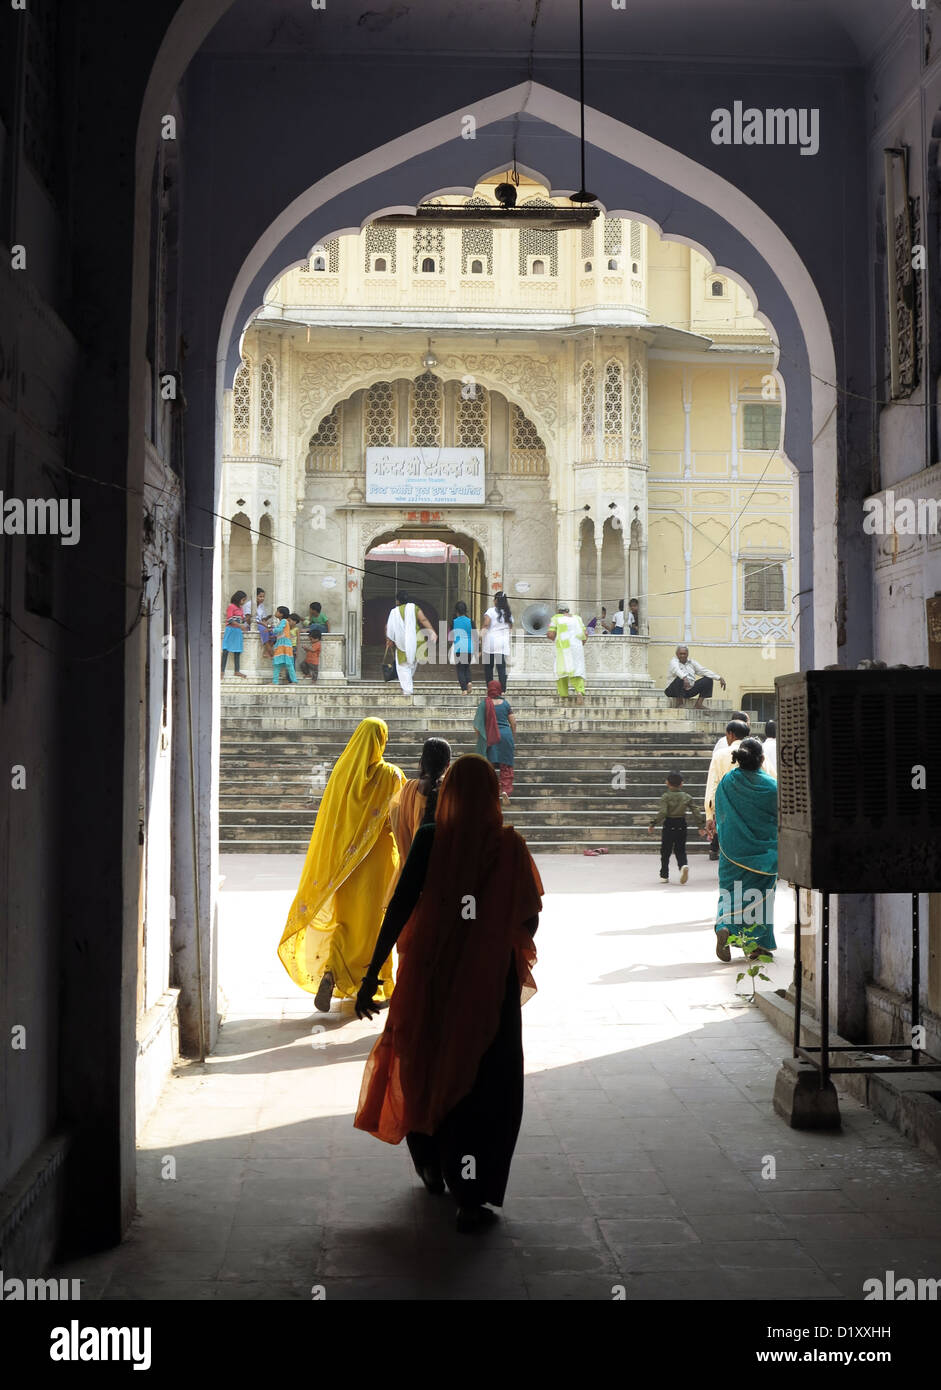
747 821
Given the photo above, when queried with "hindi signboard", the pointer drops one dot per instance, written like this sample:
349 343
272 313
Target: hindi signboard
425 477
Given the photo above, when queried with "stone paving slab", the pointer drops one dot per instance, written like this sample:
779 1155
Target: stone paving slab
649 1158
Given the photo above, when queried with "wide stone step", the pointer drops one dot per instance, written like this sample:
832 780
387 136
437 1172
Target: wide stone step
288 840
565 798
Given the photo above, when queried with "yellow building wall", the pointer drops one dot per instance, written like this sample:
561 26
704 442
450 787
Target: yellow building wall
708 514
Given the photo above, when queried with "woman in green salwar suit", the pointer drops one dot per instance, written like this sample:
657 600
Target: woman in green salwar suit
746 802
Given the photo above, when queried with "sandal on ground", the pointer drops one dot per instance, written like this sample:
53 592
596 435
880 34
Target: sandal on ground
722 944
759 952
473 1219
325 992
431 1177
590 853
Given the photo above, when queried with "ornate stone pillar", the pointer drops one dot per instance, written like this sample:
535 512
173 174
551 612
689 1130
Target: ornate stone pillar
226 538
688 610
733 410
687 429
735 585
599 573
352 599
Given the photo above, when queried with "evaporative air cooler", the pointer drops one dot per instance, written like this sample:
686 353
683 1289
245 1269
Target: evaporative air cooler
859 780
859 811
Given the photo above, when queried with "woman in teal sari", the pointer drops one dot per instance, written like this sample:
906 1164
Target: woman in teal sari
495 723
746 802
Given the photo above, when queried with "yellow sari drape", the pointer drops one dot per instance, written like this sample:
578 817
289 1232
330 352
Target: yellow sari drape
335 917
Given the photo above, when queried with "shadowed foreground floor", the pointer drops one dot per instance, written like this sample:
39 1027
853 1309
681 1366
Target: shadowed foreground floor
647 1134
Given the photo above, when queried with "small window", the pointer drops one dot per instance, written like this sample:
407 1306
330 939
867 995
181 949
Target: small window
428 265
380 264
718 289
477 268
764 586
587 266
539 268
762 704
612 264
761 426
319 263
635 268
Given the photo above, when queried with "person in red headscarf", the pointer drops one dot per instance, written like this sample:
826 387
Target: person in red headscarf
495 723
446 1073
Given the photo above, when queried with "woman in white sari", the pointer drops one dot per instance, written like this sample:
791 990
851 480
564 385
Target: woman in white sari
569 635
402 628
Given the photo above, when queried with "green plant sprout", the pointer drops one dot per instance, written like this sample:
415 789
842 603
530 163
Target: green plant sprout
746 940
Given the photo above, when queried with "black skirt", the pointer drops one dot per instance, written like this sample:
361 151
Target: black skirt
473 1146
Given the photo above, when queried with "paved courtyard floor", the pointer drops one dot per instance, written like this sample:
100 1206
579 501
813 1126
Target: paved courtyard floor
649 1156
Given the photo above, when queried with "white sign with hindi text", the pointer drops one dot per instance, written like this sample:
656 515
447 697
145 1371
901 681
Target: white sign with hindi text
425 477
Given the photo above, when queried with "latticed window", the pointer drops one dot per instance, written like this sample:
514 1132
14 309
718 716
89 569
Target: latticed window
242 402
764 586
525 434
613 406
424 426
428 244
612 236
588 401
587 245
538 241
332 248
636 241
266 404
473 417
379 241
637 410
328 431
477 243
761 425
380 415
324 451
527 451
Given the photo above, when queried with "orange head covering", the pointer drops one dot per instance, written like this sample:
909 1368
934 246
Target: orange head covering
481 888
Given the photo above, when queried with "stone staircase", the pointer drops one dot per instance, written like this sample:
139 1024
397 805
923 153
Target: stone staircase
585 775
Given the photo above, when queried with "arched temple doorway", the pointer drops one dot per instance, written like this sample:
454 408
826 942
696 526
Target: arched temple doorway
437 570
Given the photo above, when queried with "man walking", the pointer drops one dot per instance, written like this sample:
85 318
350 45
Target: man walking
689 679
405 622
721 763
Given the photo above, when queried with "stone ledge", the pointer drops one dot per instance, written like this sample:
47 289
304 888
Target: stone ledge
157 1052
31 1209
901 1099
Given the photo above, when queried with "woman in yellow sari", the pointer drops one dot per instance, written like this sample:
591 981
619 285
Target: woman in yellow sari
331 930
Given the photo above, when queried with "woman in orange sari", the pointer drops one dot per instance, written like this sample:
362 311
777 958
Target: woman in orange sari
446 1073
331 930
417 800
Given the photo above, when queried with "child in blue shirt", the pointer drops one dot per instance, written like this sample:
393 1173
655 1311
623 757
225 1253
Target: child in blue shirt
461 635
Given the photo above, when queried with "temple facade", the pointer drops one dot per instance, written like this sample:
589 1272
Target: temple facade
587 416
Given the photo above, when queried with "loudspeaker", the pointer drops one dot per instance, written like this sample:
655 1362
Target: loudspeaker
536 618
859 780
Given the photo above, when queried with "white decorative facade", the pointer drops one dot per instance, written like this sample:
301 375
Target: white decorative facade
602 374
